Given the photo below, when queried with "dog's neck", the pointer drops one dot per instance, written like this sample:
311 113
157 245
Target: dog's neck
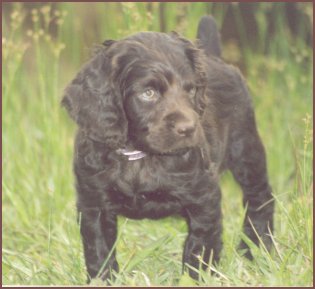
131 154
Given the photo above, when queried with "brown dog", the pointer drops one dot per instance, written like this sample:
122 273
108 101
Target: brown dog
159 118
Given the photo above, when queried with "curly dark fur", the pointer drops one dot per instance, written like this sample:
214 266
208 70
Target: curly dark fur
199 122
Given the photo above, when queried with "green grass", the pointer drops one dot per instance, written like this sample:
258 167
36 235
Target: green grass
41 242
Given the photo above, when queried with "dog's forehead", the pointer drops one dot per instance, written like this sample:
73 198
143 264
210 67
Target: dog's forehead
147 48
155 40
150 45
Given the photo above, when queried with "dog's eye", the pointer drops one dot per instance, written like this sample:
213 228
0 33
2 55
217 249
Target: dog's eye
148 95
192 92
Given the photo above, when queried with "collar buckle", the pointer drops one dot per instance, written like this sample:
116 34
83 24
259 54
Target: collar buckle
132 155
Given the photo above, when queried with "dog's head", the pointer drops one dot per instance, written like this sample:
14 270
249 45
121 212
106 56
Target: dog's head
147 89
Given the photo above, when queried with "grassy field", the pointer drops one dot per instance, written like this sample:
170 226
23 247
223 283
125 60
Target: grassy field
40 237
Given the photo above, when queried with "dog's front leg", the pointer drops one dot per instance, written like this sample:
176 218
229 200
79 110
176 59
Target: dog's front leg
203 243
98 230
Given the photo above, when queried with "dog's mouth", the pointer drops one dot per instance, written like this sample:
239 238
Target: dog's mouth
164 143
169 146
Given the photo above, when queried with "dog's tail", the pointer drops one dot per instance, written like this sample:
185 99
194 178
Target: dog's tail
208 36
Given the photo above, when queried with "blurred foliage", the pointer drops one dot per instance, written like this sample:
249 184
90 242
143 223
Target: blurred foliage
260 27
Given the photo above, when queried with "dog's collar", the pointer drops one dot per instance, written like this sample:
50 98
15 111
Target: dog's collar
132 155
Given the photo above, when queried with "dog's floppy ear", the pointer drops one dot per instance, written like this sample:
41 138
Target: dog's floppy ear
197 60
94 104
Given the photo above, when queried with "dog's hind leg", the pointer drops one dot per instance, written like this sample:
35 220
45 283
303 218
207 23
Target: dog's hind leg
247 161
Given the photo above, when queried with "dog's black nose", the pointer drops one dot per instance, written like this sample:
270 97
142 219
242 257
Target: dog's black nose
185 128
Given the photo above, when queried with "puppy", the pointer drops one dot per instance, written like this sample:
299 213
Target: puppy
159 118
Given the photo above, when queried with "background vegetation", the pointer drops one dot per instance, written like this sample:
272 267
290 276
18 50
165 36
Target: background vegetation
44 45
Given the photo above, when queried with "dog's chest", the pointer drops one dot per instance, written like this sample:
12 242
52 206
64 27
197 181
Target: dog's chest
152 187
